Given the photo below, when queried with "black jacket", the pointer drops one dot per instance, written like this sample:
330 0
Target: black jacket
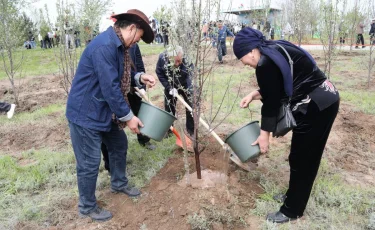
169 77
307 77
372 30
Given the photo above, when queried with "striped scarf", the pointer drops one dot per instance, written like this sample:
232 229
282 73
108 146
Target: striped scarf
125 80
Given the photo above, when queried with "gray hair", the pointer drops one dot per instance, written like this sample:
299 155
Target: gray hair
175 51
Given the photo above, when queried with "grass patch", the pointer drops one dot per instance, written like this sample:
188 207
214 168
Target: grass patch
31 187
363 101
210 215
333 203
27 117
147 49
36 62
143 164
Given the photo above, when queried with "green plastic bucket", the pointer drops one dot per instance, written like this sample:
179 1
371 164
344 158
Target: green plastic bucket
240 141
156 121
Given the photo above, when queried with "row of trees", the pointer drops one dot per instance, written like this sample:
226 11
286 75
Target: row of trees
16 27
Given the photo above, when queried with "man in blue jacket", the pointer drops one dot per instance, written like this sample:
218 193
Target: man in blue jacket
135 101
222 34
98 108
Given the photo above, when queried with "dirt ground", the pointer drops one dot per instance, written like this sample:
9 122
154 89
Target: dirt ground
165 204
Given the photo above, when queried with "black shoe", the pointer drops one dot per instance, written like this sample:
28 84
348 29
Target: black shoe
279 198
148 145
363 47
132 192
98 214
357 47
221 62
278 217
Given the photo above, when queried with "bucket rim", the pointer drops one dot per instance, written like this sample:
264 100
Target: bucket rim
239 130
175 118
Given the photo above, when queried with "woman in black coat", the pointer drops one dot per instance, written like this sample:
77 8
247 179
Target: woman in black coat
314 104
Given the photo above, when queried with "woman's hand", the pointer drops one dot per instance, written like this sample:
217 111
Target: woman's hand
255 95
246 101
148 79
263 141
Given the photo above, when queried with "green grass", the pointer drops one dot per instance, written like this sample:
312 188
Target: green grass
39 61
333 203
143 164
363 101
26 188
147 49
36 62
27 117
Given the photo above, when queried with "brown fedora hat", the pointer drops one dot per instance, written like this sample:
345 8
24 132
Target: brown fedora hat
141 19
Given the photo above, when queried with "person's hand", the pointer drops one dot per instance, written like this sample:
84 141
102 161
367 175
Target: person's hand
140 93
246 101
173 92
133 124
148 79
263 141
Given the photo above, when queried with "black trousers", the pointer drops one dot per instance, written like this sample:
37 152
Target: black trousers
308 143
360 39
4 107
170 106
135 105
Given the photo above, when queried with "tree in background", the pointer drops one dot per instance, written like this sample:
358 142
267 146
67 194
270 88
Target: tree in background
90 13
66 55
330 19
28 27
10 36
163 14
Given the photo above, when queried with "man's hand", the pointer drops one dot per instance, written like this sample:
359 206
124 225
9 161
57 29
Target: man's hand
263 141
148 79
133 124
173 92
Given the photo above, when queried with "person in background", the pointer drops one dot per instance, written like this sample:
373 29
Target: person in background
165 31
98 109
174 74
360 39
314 102
7 108
272 33
40 38
222 34
372 32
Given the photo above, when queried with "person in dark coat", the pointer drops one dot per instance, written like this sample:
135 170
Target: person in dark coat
314 104
174 74
372 32
7 108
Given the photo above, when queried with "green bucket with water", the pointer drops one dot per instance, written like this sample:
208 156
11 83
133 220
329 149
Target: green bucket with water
240 141
156 121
